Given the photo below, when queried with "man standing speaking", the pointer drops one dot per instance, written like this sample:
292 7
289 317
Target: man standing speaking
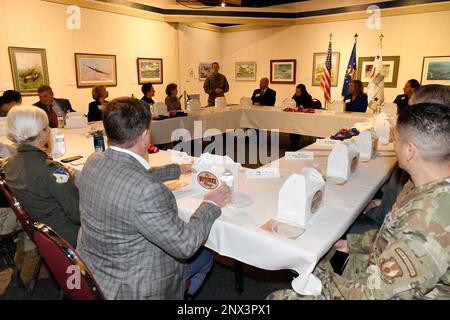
215 85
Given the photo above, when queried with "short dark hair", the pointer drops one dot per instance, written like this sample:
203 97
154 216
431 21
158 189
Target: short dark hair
11 96
428 126
170 87
125 119
214 64
414 83
146 87
432 93
44 88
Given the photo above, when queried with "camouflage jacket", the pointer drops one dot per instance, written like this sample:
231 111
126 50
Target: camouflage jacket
408 258
214 82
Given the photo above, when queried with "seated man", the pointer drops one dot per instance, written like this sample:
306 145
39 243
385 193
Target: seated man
409 257
373 216
264 96
131 236
410 87
53 107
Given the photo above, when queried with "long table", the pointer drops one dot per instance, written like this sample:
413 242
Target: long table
237 233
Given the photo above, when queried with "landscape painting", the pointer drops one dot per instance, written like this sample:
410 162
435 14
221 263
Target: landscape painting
245 71
150 70
436 70
282 71
29 69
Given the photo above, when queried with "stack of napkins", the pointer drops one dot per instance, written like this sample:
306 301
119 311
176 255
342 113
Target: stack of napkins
300 196
209 169
342 162
75 120
366 142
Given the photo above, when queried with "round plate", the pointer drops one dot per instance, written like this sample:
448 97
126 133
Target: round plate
286 230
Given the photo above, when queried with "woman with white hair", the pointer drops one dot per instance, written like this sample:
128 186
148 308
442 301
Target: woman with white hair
44 187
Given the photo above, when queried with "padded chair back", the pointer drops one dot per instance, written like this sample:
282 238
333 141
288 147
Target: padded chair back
22 215
65 264
316 104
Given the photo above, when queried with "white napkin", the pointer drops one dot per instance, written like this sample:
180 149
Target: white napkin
300 196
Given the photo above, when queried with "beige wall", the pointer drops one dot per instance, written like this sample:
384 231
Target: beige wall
410 36
34 23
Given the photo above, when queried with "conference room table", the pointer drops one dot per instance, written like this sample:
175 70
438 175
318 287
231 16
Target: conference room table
237 233
199 123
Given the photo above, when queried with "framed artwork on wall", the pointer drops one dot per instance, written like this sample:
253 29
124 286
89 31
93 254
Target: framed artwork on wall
150 70
204 70
319 64
390 66
29 69
245 71
283 71
95 70
436 70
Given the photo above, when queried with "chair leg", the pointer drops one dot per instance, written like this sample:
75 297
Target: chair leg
33 283
238 276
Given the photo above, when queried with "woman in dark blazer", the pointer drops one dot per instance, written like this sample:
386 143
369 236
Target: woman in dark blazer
356 101
302 97
99 94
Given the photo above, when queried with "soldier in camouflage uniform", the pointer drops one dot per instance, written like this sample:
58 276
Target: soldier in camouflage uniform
215 85
409 257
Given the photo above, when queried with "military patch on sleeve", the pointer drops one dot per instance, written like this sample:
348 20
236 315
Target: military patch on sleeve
409 265
61 176
390 270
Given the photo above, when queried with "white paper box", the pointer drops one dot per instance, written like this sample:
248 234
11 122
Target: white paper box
57 143
390 109
289 103
220 102
159 108
366 142
209 169
300 196
337 106
383 127
342 162
245 102
195 104
75 120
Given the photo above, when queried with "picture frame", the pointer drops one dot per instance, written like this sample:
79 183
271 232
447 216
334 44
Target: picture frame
283 71
204 70
436 70
95 70
391 65
29 69
245 71
319 59
150 70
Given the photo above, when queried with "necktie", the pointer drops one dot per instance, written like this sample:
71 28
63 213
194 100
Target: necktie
53 117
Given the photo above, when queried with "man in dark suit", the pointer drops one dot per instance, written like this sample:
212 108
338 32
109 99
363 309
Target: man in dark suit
402 100
264 96
53 107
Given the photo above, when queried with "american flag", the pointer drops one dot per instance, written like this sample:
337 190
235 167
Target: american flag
325 83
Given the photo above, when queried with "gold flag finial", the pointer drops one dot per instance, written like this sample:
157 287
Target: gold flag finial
356 37
331 36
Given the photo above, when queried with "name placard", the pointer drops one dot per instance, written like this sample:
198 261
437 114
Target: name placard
299 155
262 173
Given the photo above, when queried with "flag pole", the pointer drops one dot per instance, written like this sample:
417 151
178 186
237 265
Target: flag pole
327 103
381 40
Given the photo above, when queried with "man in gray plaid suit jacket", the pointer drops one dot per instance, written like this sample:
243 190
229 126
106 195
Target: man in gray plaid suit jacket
131 237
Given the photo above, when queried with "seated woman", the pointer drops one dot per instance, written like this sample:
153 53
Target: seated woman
44 187
302 97
356 101
9 100
99 94
172 101
149 92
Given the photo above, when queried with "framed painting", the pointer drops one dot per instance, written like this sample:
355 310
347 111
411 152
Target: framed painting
150 70
29 69
436 70
390 67
204 70
283 71
95 70
245 71
319 64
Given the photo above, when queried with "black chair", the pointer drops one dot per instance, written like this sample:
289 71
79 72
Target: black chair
316 104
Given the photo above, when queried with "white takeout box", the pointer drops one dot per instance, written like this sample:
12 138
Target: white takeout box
289 103
337 106
159 108
75 120
220 102
300 196
195 104
366 142
342 162
245 102
209 169
57 143
383 128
